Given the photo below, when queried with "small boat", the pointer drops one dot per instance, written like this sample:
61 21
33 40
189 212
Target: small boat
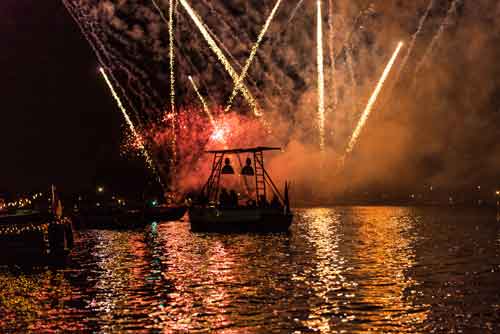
31 234
217 211
28 234
165 212
113 214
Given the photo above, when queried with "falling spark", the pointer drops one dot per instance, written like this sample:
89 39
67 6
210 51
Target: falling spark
255 48
171 54
294 11
173 160
414 39
332 55
131 126
160 12
373 99
202 100
350 67
321 80
446 22
220 55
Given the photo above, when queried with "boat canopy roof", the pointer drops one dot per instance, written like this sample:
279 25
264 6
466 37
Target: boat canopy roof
245 150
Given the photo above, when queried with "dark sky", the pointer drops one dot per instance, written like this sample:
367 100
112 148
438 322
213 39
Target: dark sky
58 123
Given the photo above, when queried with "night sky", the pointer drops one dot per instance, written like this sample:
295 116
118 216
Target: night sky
58 122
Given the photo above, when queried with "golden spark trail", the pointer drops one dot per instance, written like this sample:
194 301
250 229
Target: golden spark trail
373 99
321 80
255 48
173 160
171 54
220 55
202 100
131 126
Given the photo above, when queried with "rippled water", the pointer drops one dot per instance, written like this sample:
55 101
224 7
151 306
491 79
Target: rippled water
348 269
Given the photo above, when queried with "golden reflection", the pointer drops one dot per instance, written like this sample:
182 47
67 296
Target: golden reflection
119 272
201 272
386 253
329 282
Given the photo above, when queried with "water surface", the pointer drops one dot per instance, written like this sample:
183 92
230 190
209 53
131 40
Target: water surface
346 269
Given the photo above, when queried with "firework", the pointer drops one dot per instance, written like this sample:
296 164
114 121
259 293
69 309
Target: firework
373 99
255 48
202 100
173 160
171 54
331 53
414 39
135 134
294 11
220 55
321 80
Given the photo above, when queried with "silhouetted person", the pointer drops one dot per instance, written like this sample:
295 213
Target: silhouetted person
263 203
275 203
234 198
224 198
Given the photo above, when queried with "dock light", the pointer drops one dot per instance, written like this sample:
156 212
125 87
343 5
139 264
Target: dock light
100 189
498 192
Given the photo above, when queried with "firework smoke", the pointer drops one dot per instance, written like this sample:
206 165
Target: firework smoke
195 137
373 99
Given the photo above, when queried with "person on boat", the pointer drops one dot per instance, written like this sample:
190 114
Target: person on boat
275 202
263 203
224 198
234 198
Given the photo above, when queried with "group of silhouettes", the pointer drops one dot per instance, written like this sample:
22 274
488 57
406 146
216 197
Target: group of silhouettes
229 199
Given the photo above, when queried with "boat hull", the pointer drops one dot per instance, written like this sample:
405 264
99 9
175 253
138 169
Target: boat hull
239 220
169 213
29 237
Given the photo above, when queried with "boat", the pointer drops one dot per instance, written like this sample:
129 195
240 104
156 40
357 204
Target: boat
113 213
165 212
217 211
29 234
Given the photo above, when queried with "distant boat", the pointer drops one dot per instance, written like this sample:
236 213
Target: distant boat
29 234
112 215
165 212
216 210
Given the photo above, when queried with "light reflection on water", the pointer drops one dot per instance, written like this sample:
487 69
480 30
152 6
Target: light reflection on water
349 269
